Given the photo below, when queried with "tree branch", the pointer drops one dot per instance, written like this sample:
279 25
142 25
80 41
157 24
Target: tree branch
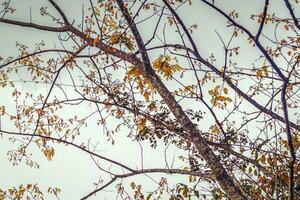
206 176
289 7
35 26
290 142
264 15
59 10
258 44
194 135
60 140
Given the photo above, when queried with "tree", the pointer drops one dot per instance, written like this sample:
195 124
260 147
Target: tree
225 91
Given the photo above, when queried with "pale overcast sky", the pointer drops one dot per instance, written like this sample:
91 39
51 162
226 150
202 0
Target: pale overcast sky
72 170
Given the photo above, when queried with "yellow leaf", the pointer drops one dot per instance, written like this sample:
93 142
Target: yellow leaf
49 153
163 66
225 90
96 41
120 38
286 27
259 74
2 110
87 35
185 169
142 126
192 178
215 130
29 186
185 191
115 37
263 159
148 196
146 95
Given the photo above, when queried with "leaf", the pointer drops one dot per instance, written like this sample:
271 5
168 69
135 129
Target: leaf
185 169
115 38
148 196
121 38
163 66
217 99
185 191
259 74
250 170
129 45
146 96
2 110
215 130
255 172
87 35
29 186
196 193
142 126
190 178
49 153
262 159
225 90
96 41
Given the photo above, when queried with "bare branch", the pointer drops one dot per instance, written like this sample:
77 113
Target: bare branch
292 13
35 26
60 140
59 10
194 136
264 15
205 176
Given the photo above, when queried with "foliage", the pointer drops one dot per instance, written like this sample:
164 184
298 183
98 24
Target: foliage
224 94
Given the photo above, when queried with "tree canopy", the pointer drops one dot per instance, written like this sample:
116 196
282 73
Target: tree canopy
217 82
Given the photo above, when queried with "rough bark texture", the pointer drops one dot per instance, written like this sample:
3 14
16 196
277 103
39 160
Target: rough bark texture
194 135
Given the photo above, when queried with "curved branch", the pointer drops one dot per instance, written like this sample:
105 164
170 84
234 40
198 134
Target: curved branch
194 135
52 86
264 15
226 78
60 140
47 51
36 53
207 176
258 44
289 7
59 10
35 26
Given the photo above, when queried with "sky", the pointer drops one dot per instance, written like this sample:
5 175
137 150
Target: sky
72 170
